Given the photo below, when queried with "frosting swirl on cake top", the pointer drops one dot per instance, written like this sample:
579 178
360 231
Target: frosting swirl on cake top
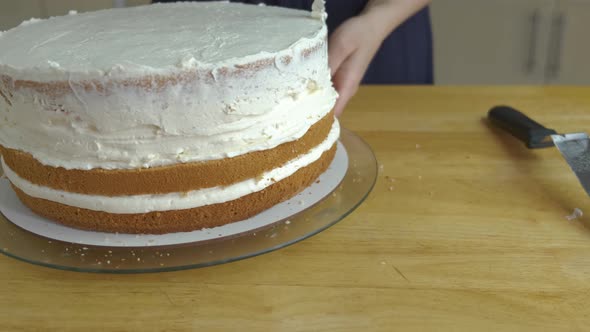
159 38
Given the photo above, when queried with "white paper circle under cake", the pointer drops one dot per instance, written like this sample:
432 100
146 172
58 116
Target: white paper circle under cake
20 215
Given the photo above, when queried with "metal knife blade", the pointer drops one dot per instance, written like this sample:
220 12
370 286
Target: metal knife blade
575 149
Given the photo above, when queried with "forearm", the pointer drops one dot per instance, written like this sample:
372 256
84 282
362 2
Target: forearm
386 15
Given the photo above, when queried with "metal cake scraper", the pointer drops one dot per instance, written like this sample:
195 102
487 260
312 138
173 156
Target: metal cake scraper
575 147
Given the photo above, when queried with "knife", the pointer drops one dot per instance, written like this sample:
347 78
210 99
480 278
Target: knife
575 148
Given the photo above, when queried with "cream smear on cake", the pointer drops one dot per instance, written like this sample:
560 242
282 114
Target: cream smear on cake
174 201
122 110
103 139
155 39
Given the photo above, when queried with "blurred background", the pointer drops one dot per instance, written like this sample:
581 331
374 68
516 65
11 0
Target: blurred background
475 41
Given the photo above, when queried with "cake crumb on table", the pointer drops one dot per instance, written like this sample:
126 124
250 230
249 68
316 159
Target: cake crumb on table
577 213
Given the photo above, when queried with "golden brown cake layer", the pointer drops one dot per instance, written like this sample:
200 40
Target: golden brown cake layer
166 179
181 220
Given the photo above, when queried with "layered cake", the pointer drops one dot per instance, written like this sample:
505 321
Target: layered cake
167 117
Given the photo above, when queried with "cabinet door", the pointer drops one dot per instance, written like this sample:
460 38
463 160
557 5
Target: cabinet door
62 7
12 13
569 50
490 42
130 3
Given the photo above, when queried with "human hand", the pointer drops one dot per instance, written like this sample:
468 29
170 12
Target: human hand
351 48
353 45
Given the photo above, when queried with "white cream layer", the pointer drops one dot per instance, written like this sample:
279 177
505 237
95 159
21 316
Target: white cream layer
157 38
143 136
173 201
223 110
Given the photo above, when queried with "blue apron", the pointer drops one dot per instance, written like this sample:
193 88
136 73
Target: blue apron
405 57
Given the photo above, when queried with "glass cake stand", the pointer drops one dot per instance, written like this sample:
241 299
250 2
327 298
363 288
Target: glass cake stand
351 190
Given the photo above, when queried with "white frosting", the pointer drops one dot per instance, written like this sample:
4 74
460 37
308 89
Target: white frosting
157 38
103 121
318 9
174 201
100 136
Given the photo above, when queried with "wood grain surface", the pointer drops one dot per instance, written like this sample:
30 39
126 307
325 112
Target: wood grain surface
465 230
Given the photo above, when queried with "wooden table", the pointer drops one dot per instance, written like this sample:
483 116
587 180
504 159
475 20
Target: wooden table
470 235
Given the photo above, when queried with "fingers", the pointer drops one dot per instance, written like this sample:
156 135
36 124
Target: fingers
338 48
345 94
351 48
347 80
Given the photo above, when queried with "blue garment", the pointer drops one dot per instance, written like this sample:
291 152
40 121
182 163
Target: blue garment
405 57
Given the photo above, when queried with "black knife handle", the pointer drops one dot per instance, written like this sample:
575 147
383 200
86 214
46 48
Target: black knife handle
533 134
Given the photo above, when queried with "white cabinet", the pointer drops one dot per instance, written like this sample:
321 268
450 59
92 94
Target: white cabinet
490 42
511 42
569 57
13 12
137 2
62 7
